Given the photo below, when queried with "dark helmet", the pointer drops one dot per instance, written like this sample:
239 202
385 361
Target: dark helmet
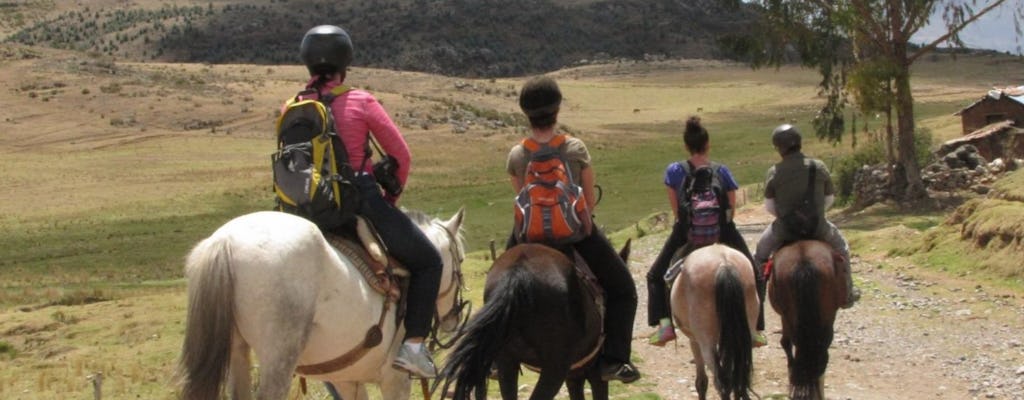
785 138
326 49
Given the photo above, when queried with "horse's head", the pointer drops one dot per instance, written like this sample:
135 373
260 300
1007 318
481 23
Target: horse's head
447 238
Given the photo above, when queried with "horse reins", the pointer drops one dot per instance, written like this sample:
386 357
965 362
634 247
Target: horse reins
456 282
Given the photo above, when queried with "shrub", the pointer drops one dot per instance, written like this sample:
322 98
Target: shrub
111 88
7 350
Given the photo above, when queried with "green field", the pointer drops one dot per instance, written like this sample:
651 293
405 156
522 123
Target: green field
102 212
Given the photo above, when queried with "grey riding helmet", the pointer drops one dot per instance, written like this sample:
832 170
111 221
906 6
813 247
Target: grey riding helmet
786 138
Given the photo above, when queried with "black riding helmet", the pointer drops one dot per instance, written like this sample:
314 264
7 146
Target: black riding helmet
786 139
326 49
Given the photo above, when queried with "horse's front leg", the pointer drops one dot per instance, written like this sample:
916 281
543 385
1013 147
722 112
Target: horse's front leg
598 386
394 384
575 387
550 382
352 390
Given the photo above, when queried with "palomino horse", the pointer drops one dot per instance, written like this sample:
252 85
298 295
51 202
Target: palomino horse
270 282
714 302
805 289
538 312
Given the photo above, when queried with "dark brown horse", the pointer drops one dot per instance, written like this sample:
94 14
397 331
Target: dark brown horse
806 291
537 312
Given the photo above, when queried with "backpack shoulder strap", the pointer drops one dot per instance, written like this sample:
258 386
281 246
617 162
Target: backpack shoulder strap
558 140
716 184
556 143
329 97
809 194
715 176
689 180
339 90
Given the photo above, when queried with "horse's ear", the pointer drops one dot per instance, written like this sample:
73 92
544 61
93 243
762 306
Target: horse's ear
455 222
624 253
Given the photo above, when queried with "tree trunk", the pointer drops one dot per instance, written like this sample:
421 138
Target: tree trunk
913 187
890 150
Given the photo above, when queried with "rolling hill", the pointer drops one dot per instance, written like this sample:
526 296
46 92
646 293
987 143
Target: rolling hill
470 38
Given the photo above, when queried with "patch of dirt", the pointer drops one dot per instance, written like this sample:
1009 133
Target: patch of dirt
29 329
915 334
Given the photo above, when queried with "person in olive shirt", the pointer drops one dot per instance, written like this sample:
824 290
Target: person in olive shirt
784 192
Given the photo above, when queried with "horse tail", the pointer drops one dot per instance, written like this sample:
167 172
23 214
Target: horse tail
734 357
470 361
812 337
206 350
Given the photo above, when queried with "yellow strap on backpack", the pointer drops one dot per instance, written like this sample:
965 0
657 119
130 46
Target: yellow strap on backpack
295 101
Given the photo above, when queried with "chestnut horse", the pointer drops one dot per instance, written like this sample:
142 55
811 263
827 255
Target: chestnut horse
714 302
537 311
806 290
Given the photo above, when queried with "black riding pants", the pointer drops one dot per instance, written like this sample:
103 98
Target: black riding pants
619 290
657 298
407 244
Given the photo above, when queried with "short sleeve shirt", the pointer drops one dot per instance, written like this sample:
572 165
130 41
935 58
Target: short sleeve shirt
675 174
574 152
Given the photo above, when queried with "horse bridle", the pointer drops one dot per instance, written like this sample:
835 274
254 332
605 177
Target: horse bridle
456 283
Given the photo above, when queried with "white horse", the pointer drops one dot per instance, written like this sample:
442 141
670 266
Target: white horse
269 282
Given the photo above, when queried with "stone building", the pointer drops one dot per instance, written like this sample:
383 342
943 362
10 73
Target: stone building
998 105
994 125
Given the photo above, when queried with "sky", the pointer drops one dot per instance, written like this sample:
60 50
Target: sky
993 31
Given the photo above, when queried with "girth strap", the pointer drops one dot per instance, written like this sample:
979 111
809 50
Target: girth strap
581 362
374 336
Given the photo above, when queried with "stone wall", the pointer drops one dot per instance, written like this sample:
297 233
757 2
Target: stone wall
959 170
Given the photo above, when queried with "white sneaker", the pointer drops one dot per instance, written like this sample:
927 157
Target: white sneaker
417 363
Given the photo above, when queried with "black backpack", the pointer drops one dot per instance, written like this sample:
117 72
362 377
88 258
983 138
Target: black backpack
312 176
803 220
702 203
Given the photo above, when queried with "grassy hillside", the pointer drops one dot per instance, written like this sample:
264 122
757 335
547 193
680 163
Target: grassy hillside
414 35
115 169
152 157
984 235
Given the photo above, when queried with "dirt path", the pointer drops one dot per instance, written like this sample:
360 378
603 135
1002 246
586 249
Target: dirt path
916 334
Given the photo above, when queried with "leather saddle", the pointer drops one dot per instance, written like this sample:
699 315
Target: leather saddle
369 255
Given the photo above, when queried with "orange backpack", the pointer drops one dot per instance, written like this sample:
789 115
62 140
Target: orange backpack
550 208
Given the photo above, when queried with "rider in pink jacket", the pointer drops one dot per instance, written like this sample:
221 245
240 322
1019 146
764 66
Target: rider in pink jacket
327 51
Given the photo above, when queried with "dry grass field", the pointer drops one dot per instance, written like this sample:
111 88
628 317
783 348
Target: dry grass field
113 170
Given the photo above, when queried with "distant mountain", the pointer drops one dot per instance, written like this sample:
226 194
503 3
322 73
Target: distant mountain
475 38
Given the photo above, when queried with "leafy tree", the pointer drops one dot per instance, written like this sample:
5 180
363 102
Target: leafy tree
860 47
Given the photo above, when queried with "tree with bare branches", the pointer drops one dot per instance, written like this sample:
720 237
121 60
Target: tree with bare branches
861 48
